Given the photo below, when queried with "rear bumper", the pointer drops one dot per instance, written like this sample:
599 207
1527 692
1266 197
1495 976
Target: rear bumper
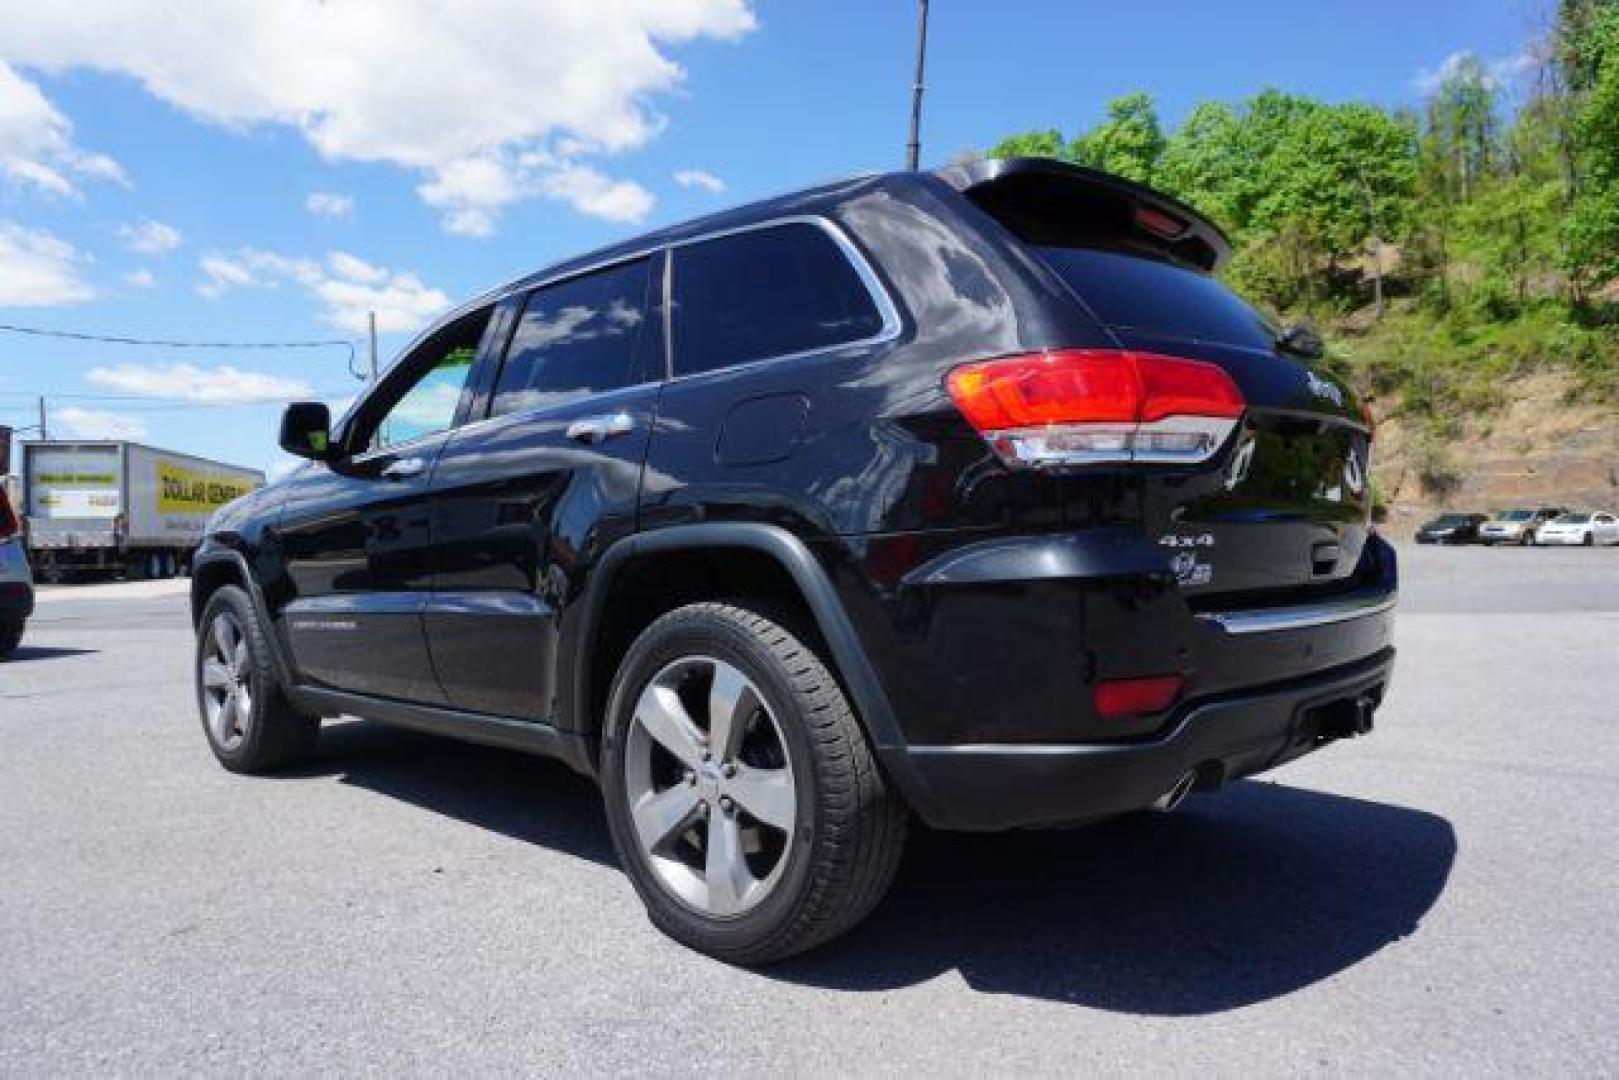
1003 786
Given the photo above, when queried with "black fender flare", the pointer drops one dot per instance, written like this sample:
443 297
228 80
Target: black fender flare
854 668
211 555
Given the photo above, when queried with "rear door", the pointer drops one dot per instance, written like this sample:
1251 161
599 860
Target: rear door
355 535
1285 504
526 499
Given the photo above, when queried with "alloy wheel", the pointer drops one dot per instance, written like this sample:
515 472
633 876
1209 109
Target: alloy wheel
710 786
227 681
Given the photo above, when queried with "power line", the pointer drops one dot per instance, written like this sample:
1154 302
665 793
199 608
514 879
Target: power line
162 343
166 398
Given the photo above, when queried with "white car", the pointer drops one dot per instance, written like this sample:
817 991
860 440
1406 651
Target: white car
1586 529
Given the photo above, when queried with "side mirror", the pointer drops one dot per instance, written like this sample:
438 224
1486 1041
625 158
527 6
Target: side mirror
1300 339
306 430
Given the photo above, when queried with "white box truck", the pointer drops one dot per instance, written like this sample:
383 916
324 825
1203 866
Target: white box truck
111 506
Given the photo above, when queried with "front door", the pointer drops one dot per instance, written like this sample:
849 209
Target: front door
527 499
356 534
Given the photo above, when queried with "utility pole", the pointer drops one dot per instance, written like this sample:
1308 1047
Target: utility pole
371 319
1377 246
44 431
913 149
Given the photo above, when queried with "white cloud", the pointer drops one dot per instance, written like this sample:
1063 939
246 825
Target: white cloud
591 191
472 191
149 237
140 279
73 422
222 385
347 287
38 270
526 88
700 178
36 141
1499 73
330 204
222 275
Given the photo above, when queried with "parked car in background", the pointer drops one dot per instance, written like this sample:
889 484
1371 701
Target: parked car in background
1517 526
1452 529
16 581
1581 528
972 494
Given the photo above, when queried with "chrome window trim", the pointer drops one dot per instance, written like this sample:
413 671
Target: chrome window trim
887 310
1301 616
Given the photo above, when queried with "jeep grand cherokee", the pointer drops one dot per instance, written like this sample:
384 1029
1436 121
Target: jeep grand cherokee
967 494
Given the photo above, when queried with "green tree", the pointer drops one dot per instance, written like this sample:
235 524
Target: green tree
1049 143
1204 163
1462 121
1591 235
1128 143
1338 174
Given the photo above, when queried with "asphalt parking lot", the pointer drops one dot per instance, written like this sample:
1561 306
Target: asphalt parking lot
1439 898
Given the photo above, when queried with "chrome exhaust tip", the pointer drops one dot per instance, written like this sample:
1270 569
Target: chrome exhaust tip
1176 794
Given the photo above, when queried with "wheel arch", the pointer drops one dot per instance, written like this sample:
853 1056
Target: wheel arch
750 549
212 570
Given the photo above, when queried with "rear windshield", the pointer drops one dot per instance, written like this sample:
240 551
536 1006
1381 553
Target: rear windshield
1130 292
1453 519
1517 515
1572 519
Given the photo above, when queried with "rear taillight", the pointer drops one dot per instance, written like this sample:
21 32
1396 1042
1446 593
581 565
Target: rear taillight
9 525
1081 406
1115 698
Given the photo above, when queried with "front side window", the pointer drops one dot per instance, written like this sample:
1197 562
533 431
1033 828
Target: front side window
763 293
427 405
582 336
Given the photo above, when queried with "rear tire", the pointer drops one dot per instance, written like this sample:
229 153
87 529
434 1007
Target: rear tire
816 861
1588 540
250 724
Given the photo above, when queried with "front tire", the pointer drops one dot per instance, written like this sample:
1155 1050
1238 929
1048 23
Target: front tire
744 801
250 724
1588 540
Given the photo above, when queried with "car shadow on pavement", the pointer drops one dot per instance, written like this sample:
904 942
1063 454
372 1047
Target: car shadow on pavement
532 799
24 653
1238 897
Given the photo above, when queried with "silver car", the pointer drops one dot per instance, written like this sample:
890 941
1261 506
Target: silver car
1516 526
16 581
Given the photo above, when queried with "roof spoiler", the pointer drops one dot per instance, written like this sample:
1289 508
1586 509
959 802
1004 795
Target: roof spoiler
1155 218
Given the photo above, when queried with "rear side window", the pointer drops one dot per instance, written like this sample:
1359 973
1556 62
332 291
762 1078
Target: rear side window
578 337
1132 292
763 293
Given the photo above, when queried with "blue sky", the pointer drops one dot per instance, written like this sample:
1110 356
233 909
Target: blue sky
220 173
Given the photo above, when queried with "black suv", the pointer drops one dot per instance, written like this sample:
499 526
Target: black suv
968 494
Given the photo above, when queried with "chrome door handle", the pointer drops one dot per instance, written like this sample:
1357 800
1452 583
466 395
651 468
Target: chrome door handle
595 429
404 468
